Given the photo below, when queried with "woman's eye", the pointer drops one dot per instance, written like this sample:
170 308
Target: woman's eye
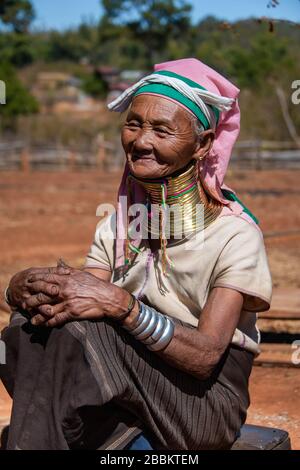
160 130
132 124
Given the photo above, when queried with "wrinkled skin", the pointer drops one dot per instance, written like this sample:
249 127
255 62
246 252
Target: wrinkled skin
54 296
158 138
78 296
19 287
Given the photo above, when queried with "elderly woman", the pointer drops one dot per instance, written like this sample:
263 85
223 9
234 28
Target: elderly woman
156 336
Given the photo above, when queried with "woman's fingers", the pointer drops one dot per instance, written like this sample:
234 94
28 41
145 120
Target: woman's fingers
58 319
46 277
58 315
50 270
36 300
46 312
38 320
49 289
20 283
59 269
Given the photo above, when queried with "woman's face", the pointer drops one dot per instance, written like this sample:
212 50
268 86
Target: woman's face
158 137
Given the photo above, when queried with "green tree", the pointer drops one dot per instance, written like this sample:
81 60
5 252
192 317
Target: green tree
153 22
18 100
262 63
15 45
18 14
94 86
17 49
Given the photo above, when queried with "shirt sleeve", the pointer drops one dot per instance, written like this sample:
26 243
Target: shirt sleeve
243 266
102 249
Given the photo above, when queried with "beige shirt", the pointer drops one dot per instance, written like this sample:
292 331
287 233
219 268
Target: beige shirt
230 252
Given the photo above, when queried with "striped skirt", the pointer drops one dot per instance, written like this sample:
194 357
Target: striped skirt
90 385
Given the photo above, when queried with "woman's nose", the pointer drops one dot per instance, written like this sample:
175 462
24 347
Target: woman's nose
143 140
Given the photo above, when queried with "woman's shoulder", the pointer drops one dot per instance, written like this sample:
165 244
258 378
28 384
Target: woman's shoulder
242 262
236 226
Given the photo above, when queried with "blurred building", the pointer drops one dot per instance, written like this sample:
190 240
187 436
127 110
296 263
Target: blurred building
117 80
61 92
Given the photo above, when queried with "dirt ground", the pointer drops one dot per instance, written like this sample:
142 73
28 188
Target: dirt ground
49 215
275 400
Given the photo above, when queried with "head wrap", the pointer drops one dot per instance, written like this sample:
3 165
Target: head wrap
194 97
213 100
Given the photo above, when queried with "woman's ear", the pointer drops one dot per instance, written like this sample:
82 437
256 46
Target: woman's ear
204 144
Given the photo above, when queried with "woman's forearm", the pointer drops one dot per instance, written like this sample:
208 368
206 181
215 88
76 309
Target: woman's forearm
189 350
193 352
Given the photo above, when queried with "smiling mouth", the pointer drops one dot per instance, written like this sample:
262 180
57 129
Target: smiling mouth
136 157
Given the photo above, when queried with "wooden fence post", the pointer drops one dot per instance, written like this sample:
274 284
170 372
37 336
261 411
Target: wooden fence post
72 160
101 154
25 161
258 159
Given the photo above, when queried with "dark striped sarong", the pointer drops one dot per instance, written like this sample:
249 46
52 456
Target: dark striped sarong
90 385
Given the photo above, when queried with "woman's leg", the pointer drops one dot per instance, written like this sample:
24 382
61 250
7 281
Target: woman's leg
92 385
57 403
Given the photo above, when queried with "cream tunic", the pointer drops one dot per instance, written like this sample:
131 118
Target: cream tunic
230 252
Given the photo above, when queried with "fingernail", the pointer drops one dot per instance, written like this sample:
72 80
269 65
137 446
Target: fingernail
33 321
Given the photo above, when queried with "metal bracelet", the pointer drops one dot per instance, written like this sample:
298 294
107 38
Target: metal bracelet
138 320
165 338
151 326
6 296
160 326
13 308
147 315
130 307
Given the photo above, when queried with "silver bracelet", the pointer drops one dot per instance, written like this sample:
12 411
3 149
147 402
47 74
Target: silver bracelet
160 326
7 300
146 318
152 328
138 320
165 338
149 329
